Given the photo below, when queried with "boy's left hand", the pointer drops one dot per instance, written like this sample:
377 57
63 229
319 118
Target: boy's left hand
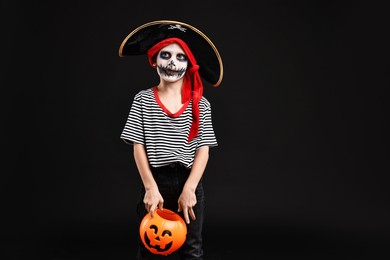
187 201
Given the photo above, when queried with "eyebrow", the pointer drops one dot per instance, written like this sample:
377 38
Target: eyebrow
181 52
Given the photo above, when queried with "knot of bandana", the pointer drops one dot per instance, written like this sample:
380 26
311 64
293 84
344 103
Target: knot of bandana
192 83
194 68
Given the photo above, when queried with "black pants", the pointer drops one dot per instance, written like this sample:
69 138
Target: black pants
170 180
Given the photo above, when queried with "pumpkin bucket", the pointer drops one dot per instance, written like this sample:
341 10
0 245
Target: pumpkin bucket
164 233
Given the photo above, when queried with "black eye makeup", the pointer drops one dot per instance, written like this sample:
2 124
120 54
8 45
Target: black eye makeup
181 57
166 55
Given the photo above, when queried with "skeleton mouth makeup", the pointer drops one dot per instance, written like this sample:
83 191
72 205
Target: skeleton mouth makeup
169 72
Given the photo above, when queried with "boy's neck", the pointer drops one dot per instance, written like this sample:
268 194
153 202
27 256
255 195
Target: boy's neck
170 88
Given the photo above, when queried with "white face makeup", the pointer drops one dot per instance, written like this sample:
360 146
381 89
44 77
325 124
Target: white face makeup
171 62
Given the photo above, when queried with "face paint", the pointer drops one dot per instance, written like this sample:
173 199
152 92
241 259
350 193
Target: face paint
171 63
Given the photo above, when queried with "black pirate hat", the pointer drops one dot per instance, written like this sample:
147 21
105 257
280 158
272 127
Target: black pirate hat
141 39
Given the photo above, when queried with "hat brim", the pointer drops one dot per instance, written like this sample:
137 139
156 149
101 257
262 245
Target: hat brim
141 39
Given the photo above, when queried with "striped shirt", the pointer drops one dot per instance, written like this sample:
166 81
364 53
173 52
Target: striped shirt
165 135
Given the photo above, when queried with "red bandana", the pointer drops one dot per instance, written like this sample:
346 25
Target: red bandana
192 75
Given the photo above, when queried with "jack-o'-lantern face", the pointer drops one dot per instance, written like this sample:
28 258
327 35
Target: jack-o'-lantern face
164 233
161 241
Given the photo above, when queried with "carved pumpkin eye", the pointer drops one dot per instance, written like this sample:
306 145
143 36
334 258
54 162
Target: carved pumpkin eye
155 228
166 232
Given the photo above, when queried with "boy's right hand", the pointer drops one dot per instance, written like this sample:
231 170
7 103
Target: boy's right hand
153 200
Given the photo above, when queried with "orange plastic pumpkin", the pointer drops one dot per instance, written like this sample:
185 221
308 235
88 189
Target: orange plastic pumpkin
164 233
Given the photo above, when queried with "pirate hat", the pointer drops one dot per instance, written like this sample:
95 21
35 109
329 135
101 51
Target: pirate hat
141 39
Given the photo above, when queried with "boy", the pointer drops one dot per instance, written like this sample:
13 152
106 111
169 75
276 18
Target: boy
170 124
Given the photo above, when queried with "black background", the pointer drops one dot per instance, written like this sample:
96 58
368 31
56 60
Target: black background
301 169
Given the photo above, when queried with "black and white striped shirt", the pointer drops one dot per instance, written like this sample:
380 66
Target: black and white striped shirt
165 135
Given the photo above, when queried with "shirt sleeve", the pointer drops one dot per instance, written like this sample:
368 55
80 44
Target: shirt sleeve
133 130
207 135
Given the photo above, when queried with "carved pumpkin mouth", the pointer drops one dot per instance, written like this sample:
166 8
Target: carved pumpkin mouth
157 247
